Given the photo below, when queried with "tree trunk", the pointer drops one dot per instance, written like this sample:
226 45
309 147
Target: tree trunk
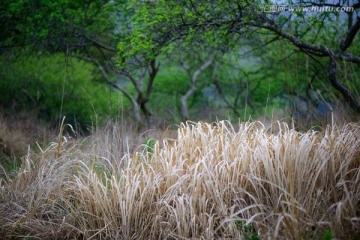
184 106
332 73
190 92
136 111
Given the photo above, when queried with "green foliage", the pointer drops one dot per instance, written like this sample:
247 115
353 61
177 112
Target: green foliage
54 24
247 230
32 81
255 69
171 79
170 84
150 143
10 166
328 235
156 24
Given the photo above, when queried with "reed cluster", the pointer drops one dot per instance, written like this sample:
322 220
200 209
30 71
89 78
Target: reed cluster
210 181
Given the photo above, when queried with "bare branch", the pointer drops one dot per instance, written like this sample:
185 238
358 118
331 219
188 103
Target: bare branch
111 83
202 68
125 74
332 73
313 48
349 58
350 35
100 44
190 92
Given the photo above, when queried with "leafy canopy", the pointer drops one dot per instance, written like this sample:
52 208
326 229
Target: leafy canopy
156 26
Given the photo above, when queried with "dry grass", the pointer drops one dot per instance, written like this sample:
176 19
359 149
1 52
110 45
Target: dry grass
212 181
17 135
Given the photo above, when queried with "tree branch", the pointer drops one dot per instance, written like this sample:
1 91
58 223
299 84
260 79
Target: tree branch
332 73
153 72
349 58
314 49
111 83
202 68
187 95
348 39
126 74
100 44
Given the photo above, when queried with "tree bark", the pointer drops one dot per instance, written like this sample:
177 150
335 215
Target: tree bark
332 73
190 92
142 98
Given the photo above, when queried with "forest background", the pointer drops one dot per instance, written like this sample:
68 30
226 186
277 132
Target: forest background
161 62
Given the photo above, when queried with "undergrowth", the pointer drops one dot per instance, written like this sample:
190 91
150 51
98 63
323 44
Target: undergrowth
210 181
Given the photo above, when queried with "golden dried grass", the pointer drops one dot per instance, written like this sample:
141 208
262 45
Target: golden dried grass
209 182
